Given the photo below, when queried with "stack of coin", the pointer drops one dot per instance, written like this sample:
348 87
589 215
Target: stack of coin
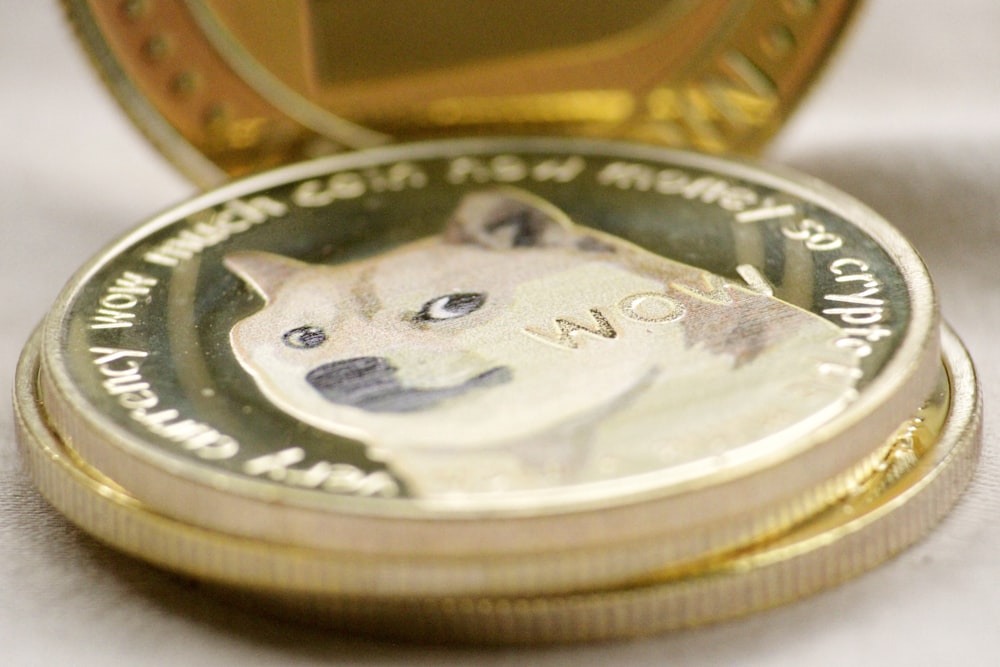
493 390
505 390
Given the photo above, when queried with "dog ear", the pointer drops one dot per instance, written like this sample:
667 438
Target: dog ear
265 272
504 218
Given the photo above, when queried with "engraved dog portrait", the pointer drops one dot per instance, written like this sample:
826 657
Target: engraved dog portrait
517 350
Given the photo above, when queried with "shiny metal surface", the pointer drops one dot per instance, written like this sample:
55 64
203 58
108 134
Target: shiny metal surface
227 88
646 267
931 459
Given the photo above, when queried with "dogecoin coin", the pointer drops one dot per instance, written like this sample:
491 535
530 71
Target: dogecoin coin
496 366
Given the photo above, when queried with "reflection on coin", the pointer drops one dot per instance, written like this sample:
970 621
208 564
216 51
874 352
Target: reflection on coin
930 460
228 87
496 366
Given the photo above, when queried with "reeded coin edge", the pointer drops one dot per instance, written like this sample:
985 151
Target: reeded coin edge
303 579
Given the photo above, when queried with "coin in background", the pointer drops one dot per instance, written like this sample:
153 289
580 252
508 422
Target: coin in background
226 88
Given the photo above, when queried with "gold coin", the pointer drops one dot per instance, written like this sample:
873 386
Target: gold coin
931 460
496 366
227 87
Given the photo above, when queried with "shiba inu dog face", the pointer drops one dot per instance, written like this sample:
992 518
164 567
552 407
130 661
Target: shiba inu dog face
519 335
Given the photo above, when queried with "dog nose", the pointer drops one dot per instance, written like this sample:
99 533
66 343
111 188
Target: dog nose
371 383
353 380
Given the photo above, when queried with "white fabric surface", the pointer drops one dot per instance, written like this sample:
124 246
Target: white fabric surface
907 119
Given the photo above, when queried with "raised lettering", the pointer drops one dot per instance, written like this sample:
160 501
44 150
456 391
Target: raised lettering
712 290
627 176
332 477
275 465
235 216
863 298
134 393
119 299
856 315
651 307
567 330
559 171
769 211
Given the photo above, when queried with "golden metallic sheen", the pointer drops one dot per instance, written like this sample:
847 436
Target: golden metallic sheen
496 366
928 469
227 87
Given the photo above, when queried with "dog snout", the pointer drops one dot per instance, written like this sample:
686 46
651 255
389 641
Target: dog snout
353 379
373 384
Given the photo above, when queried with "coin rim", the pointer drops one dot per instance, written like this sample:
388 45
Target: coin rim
900 386
708 516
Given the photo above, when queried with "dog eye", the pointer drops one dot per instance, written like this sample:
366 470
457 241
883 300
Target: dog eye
304 338
450 306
